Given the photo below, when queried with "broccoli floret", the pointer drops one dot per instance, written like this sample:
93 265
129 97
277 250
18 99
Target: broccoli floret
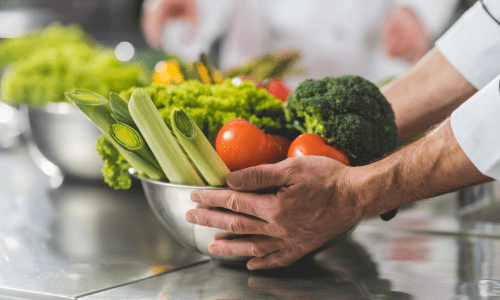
349 111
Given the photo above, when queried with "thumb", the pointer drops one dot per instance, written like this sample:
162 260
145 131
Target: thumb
258 177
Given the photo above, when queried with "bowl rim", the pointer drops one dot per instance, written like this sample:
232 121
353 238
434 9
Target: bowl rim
133 173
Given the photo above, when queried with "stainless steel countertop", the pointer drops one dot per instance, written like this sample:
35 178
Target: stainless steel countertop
77 239
86 241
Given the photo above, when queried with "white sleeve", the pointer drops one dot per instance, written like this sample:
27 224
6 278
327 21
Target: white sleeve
476 127
472 44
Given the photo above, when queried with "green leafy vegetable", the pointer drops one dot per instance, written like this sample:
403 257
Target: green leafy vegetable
18 48
44 76
115 165
211 106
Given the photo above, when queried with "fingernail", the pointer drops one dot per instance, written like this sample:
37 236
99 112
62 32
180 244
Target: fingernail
196 198
251 266
191 218
215 250
235 179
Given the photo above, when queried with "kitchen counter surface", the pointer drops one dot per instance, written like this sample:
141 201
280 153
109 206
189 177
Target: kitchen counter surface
83 240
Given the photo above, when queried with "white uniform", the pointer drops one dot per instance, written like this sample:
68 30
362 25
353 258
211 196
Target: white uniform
334 37
472 46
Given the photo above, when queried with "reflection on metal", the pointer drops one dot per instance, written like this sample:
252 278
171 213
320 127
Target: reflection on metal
480 202
54 174
10 126
170 202
346 271
475 198
77 239
489 288
62 142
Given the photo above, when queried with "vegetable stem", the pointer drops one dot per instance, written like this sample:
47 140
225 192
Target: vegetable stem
98 110
199 149
120 109
162 143
130 139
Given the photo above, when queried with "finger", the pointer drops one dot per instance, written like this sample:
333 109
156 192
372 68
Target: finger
229 221
228 236
281 258
257 205
259 177
255 246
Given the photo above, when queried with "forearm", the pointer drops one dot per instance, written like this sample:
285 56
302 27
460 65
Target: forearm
433 165
426 94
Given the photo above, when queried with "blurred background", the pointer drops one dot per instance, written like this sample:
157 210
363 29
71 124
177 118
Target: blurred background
115 21
109 21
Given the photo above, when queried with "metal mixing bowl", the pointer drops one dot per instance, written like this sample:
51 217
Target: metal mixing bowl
170 202
66 138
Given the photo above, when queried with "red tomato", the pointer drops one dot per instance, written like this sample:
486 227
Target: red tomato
313 144
283 144
278 89
240 144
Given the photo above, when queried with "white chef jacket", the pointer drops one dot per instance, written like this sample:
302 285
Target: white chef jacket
472 46
335 37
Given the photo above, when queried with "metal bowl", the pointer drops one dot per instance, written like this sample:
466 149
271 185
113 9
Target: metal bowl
66 138
170 202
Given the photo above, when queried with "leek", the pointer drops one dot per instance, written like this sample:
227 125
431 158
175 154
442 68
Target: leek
130 139
120 109
160 140
199 149
98 110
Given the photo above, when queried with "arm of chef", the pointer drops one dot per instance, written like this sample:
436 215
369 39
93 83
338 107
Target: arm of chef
472 46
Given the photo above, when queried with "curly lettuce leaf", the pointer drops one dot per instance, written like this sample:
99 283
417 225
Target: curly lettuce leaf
115 169
213 105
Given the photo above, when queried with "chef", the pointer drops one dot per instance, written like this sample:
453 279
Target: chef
375 39
318 198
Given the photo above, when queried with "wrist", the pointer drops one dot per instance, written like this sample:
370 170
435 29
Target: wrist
431 166
379 187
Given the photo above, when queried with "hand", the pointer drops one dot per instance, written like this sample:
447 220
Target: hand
404 36
312 200
156 12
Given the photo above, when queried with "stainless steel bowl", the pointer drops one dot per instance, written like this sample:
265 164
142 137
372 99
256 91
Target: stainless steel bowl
66 138
170 202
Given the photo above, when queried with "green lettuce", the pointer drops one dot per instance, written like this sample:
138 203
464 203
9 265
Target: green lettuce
213 105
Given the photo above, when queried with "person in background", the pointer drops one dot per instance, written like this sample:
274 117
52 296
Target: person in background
317 198
374 39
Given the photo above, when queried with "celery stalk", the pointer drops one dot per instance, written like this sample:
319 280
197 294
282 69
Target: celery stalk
98 110
199 149
160 140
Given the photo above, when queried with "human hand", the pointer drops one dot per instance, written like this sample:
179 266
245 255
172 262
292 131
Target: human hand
156 12
404 36
312 200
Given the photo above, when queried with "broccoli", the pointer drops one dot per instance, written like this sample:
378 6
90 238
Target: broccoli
349 111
